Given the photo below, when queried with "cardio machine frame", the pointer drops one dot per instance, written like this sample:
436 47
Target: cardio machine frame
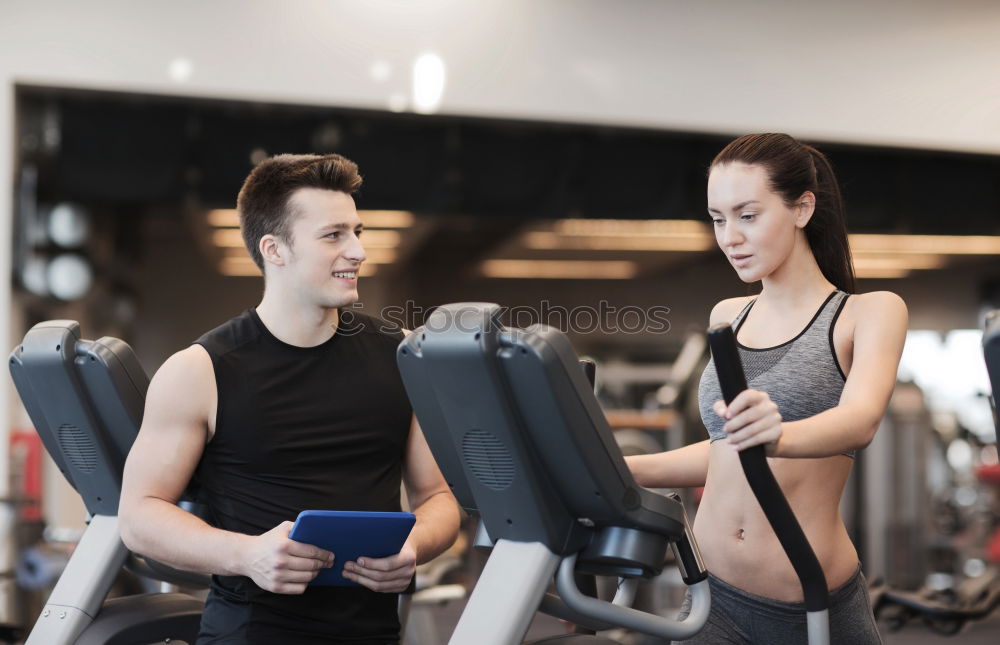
85 399
523 443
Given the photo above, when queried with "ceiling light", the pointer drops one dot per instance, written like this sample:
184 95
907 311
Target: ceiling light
221 217
865 261
380 256
945 244
626 227
881 273
567 269
386 219
180 69
380 239
228 237
542 240
428 83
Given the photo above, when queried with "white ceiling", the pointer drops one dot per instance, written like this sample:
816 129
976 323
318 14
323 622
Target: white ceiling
914 73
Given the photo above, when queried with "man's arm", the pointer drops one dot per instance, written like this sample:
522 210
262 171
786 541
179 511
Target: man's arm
175 426
435 530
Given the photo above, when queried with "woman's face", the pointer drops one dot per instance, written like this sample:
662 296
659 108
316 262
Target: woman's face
753 226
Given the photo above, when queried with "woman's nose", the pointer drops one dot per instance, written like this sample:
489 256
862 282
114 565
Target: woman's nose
731 236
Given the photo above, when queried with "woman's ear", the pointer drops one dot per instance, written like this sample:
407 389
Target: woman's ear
804 209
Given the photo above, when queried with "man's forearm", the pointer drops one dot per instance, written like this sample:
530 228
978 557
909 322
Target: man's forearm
170 535
436 528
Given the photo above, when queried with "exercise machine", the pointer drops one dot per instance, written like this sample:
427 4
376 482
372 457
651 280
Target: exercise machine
523 443
948 611
85 399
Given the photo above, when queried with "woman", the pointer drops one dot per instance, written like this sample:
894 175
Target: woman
821 365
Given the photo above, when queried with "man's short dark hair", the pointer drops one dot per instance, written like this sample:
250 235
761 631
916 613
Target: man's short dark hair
263 200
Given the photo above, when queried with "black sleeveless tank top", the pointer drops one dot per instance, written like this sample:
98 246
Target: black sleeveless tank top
296 428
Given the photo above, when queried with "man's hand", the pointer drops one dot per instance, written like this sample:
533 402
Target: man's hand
281 565
388 575
752 419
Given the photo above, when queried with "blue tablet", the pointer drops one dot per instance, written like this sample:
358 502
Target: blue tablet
350 535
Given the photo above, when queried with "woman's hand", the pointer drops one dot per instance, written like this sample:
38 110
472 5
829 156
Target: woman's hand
752 419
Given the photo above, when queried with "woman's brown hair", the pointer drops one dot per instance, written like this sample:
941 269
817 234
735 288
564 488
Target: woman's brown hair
794 168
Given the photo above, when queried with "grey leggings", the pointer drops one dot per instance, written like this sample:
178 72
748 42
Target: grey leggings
740 617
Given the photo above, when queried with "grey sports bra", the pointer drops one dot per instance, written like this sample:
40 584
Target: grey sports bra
802 376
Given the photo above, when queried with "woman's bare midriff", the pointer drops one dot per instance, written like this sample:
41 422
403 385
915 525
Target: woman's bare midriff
740 547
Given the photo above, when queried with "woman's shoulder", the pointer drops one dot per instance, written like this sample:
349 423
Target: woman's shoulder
876 308
877 302
727 310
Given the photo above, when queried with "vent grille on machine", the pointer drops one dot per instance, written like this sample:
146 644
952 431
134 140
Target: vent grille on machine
488 459
78 447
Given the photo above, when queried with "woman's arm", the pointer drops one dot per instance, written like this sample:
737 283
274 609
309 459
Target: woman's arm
685 467
879 334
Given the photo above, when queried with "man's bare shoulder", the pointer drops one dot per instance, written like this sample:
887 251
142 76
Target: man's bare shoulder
174 432
726 310
191 362
185 381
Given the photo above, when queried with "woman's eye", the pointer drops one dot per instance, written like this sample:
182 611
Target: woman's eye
748 216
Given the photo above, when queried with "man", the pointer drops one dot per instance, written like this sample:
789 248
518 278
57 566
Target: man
290 406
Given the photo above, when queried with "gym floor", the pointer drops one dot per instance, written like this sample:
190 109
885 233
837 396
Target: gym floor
985 632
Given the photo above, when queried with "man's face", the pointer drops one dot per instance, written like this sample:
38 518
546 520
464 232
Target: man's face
325 251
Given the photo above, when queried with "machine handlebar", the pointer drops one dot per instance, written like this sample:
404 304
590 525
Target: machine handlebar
765 488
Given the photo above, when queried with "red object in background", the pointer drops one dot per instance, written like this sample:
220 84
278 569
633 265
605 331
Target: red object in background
993 548
26 473
989 474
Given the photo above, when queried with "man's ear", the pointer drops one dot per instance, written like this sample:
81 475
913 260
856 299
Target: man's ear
805 207
273 250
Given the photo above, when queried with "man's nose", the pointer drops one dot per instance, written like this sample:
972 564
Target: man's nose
356 250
